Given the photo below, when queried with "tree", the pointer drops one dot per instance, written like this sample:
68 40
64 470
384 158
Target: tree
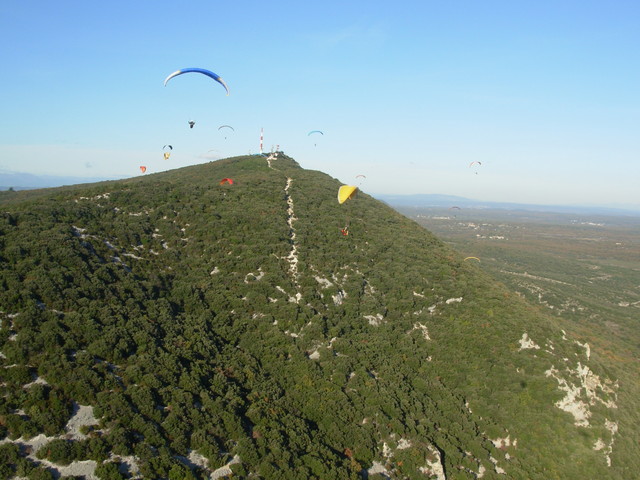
40 473
108 471
58 451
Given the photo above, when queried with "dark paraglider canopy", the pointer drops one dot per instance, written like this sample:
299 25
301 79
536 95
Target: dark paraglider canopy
226 126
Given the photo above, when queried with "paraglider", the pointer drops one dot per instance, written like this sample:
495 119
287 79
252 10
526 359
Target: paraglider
167 153
475 163
314 132
226 180
226 126
191 123
208 73
143 168
471 258
345 192
362 179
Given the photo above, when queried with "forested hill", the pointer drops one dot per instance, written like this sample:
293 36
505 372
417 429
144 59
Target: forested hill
168 326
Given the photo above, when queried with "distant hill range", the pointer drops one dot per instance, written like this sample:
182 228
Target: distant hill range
176 326
28 181
446 201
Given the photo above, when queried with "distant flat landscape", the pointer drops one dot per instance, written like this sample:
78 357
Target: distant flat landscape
498 208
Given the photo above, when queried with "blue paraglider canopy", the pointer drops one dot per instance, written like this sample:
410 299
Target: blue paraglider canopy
208 73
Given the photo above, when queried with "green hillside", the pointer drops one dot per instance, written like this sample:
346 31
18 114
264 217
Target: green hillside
170 327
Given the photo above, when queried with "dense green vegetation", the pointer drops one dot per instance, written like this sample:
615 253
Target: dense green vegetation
174 307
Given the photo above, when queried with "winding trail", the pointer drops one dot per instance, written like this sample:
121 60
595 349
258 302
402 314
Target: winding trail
292 258
272 156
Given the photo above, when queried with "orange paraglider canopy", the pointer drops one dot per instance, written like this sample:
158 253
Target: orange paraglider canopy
143 168
226 180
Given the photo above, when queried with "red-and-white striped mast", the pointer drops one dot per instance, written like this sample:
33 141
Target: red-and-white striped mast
261 138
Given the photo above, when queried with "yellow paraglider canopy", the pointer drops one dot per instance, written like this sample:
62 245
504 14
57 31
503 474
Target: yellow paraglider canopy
471 258
346 192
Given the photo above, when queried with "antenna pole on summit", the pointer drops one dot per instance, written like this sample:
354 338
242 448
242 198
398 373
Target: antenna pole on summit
261 138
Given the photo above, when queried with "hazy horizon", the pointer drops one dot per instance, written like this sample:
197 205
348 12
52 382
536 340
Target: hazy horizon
27 181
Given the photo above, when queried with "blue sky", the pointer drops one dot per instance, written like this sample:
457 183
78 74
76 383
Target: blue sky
545 94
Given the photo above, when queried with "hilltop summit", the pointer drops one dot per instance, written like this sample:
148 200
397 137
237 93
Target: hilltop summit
168 326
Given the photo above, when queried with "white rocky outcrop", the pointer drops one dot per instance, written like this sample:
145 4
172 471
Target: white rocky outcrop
504 442
422 328
434 467
324 283
225 470
587 349
607 447
526 343
82 416
586 390
374 320
339 297
255 276
376 468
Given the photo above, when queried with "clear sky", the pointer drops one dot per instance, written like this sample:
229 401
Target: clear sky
545 94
